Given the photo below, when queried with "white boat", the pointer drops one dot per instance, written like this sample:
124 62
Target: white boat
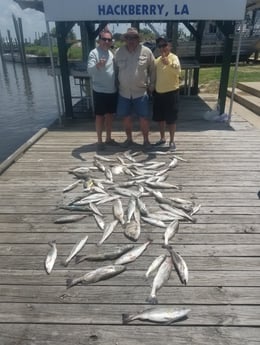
30 58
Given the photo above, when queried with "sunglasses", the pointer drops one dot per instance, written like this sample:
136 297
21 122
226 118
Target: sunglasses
106 39
163 45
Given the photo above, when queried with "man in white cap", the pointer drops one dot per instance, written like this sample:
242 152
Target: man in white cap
135 70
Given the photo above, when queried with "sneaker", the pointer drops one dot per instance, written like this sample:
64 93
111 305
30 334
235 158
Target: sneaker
101 147
147 145
127 143
160 142
172 146
111 142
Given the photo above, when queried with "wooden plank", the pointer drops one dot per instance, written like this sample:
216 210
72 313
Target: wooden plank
221 249
57 201
199 263
185 228
205 210
185 249
51 334
91 313
135 276
95 235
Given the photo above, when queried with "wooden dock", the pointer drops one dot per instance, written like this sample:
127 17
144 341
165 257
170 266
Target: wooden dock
222 249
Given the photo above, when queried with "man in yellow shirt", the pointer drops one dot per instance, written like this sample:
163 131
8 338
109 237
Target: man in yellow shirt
166 94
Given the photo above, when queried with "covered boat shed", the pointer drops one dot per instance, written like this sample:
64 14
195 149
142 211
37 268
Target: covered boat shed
193 13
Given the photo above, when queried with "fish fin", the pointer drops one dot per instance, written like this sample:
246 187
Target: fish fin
185 317
69 283
152 300
125 318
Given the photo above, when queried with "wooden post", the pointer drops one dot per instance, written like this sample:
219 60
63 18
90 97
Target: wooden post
1 47
20 26
62 31
200 30
18 37
84 41
228 29
10 44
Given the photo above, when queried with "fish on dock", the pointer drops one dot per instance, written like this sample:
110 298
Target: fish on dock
161 277
51 257
108 231
179 265
106 254
70 218
76 249
133 254
96 275
118 211
72 186
170 231
166 315
155 265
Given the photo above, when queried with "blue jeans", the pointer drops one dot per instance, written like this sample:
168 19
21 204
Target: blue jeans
128 106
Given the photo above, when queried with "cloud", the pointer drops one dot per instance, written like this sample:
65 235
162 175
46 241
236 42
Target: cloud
32 21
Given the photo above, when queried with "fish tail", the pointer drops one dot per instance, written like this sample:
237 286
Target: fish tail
51 243
79 259
166 246
65 263
152 300
149 239
126 318
69 283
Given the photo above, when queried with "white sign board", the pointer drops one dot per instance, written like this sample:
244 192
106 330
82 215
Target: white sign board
143 10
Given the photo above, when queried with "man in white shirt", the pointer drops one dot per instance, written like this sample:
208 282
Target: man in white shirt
101 69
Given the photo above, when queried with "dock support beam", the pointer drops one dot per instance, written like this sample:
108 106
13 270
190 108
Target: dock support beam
228 29
62 29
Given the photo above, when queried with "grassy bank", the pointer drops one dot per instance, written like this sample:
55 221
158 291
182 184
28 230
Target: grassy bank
210 76
245 73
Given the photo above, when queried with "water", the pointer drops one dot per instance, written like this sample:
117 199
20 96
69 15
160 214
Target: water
27 104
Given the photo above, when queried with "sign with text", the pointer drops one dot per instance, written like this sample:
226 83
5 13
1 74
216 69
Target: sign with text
143 10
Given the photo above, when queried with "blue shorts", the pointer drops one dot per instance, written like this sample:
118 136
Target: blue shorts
130 106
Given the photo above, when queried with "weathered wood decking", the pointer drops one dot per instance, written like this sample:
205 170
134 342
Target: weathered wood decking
222 249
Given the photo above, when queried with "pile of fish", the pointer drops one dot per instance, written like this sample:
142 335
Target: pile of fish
125 181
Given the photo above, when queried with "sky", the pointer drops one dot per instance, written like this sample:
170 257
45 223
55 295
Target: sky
32 21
